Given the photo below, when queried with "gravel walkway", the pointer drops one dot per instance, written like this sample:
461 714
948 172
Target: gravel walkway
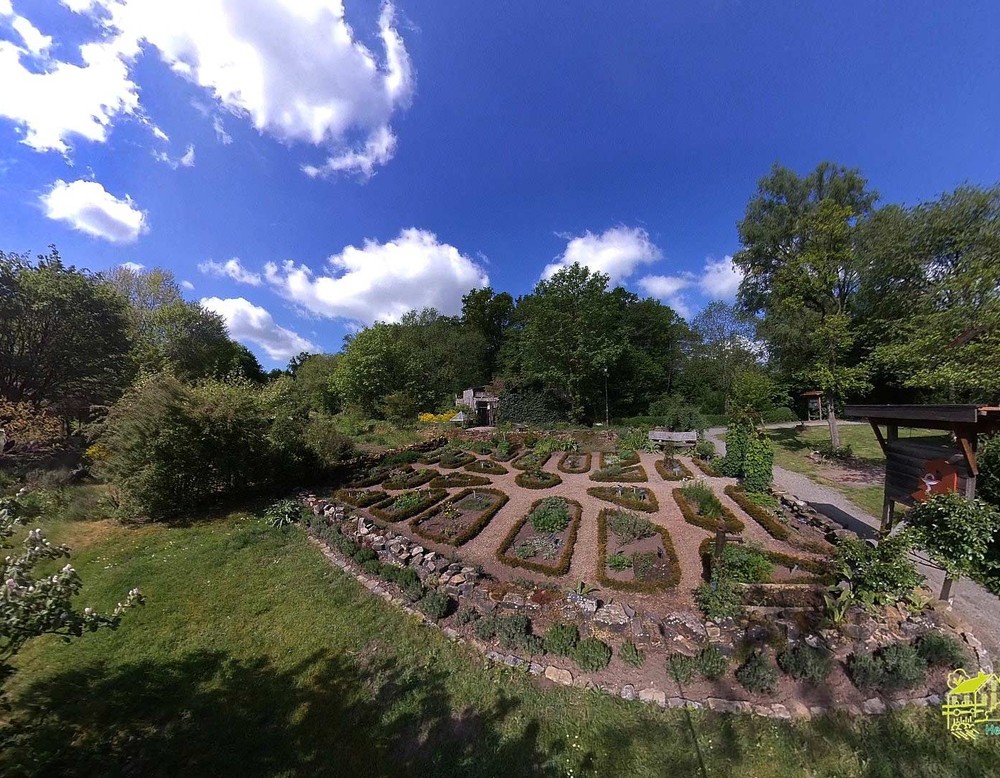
974 604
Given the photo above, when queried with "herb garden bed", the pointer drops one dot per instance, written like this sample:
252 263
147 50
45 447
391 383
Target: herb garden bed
371 477
618 474
486 466
775 527
408 478
461 518
537 479
672 471
451 460
643 557
505 454
543 540
706 467
432 457
453 480
782 568
702 508
620 458
533 460
636 498
407 504
574 463
360 498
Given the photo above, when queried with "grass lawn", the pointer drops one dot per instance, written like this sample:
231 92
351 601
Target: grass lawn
253 657
792 448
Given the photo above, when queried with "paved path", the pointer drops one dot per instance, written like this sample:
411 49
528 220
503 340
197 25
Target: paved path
974 604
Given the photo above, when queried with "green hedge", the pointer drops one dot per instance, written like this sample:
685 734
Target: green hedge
486 466
562 565
667 475
731 524
461 459
634 586
771 523
531 461
454 480
609 494
779 415
410 480
430 497
537 480
528 406
473 529
706 468
632 475
562 463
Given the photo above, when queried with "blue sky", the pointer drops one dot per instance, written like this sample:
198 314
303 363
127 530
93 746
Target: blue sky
308 168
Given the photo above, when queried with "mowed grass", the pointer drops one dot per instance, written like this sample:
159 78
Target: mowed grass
792 448
254 657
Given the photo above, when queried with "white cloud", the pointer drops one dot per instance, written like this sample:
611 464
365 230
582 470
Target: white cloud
88 207
720 279
220 131
134 267
382 281
187 285
232 268
34 41
185 160
378 150
617 252
247 322
664 286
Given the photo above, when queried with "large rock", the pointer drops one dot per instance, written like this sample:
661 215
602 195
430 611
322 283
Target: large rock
558 675
656 696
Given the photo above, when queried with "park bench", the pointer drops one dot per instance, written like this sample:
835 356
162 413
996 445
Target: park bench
663 437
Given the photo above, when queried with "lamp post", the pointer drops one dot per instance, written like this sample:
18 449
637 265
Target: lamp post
607 421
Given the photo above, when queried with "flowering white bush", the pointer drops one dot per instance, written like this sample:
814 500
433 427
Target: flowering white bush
31 606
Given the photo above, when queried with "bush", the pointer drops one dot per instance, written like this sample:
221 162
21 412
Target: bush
629 527
672 412
757 674
718 600
746 564
372 567
758 463
630 654
552 515
806 663
592 654
363 555
537 479
938 649
988 482
955 531
704 449
327 442
619 562
712 663
896 666
779 415
528 406
681 667
435 605
879 575
561 639
865 670
466 615
704 500
284 513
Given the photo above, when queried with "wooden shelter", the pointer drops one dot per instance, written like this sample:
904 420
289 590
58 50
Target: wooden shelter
915 469
814 404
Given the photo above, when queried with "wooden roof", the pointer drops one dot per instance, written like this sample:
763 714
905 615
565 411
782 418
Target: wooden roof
928 416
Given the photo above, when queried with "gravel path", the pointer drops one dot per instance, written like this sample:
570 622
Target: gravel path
974 604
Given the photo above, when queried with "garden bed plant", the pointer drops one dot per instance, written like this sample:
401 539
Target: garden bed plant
701 507
772 524
623 458
706 467
504 451
533 460
672 469
634 554
636 498
537 479
459 480
574 462
543 540
407 504
360 498
408 478
372 476
433 456
487 467
461 518
748 563
454 458
620 474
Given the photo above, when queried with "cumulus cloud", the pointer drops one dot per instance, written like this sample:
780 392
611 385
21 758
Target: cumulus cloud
231 268
247 322
86 206
617 252
133 267
382 281
720 279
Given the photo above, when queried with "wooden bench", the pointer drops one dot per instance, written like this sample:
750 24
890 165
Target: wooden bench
663 437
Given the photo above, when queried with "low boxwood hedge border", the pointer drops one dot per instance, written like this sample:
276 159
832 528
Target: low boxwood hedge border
379 511
706 467
518 463
561 567
432 456
453 480
628 462
562 463
473 529
820 571
667 475
771 524
515 451
609 494
373 479
461 460
487 466
413 479
646 587
729 520
363 500
524 480
633 475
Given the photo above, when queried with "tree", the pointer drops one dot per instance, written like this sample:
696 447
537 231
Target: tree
722 344
369 368
63 335
32 605
488 314
313 382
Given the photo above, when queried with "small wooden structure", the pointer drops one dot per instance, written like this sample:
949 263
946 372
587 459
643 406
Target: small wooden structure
482 403
814 404
664 436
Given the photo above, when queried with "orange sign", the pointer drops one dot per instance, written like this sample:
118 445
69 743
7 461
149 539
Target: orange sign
939 477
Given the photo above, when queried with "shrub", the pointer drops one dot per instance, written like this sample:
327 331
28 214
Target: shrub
718 600
938 649
326 441
879 575
513 631
704 449
284 513
466 615
806 663
592 654
363 555
486 627
619 562
896 666
704 499
712 663
988 482
629 527
746 563
552 515
561 639
631 655
681 667
435 605
372 567
757 674
865 670
779 415
758 463
537 479
955 531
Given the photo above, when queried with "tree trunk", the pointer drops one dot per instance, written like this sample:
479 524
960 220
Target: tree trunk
831 418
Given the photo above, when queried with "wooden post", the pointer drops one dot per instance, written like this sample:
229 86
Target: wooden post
945 595
888 516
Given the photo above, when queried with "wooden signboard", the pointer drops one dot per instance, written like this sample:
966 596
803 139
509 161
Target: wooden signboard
915 470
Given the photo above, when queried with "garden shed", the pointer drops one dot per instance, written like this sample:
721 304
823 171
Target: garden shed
482 404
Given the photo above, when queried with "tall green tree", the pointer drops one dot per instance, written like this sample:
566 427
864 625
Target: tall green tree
488 313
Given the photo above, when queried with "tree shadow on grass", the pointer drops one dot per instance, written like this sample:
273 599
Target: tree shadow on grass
209 714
